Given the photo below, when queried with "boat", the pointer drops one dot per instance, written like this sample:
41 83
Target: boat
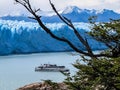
52 68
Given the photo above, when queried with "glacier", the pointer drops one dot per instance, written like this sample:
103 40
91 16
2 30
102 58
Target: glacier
20 37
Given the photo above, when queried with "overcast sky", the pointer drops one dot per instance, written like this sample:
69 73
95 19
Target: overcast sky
8 6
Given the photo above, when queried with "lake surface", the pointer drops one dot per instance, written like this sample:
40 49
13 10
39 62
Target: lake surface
19 70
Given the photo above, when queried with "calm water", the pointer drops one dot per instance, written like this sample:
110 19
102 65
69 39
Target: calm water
18 70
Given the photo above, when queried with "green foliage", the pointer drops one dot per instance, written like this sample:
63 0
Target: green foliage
108 33
103 73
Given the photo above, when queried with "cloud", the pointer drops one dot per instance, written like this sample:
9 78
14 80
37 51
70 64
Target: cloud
89 4
8 6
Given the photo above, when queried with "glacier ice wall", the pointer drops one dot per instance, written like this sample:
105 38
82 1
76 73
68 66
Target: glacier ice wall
28 37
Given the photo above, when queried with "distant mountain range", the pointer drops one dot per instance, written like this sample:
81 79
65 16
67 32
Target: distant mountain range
73 13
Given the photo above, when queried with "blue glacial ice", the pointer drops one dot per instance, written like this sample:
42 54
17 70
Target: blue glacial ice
28 37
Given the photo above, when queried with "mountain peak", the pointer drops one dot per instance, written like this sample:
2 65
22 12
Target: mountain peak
71 12
71 9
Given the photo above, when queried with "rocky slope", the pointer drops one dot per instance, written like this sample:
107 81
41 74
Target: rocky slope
44 86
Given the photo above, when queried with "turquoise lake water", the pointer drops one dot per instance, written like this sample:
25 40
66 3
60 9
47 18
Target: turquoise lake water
19 70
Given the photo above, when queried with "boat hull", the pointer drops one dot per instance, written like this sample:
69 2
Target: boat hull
52 69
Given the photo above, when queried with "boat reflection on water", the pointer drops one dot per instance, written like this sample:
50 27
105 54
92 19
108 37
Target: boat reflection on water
51 68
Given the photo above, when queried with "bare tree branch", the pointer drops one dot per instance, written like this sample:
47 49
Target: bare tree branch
70 24
89 52
36 17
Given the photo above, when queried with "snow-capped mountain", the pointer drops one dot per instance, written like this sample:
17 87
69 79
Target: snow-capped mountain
71 9
82 15
74 13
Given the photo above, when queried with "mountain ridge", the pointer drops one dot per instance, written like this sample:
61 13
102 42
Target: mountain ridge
73 13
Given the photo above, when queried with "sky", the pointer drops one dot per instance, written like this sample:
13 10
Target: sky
8 7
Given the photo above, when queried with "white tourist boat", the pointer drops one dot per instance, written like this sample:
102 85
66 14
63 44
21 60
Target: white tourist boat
51 67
